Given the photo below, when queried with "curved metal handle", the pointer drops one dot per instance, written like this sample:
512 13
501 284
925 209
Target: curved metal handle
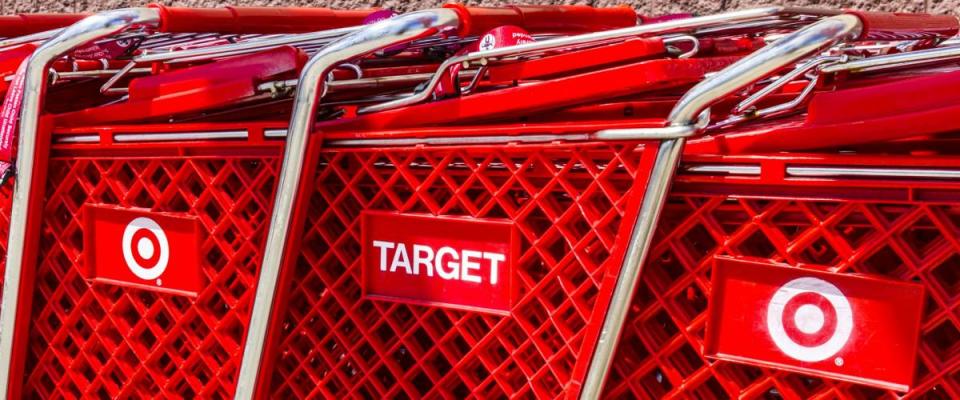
688 112
785 51
87 30
401 29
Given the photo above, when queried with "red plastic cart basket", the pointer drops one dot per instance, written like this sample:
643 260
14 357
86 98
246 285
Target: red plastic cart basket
179 207
850 180
884 215
77 333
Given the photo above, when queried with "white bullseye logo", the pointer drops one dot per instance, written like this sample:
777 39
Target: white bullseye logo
810 319
488 42
145 248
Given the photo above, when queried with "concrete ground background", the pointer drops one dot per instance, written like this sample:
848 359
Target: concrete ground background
652 7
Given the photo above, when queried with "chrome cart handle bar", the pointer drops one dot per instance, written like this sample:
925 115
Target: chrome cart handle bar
401 29
85 31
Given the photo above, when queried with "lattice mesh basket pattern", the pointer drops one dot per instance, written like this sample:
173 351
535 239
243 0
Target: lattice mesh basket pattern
96 340
568 202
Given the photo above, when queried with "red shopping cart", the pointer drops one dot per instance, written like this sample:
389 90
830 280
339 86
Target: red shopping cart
533 216
876 214
157 166
848 179
82 336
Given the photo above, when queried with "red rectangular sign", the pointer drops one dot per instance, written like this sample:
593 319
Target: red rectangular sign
139 248
455 262
841 326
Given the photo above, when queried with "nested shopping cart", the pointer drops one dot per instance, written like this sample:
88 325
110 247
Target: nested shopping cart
806 249
81 328
852 182
147 160
449 217
486 240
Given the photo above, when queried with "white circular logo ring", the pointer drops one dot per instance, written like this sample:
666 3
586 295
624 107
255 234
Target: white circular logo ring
145 248
809 319
488 42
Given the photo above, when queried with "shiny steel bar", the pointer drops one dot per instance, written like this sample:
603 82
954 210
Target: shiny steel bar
874 172
401 29
156 137
727 169
695 102
97 73
31 38
898 60
86 30
686 25
244 47
755 98
830 172
669 132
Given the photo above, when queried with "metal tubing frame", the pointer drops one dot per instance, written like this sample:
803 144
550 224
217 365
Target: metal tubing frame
401 29
86 30
898 60
31 38
686 25
243 47
756 66
829 171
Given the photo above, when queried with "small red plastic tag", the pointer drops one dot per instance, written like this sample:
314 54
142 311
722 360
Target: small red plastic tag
502 36
105 50
9 116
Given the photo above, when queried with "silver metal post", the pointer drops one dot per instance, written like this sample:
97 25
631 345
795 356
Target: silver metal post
776 56
89 29
898 60
401 29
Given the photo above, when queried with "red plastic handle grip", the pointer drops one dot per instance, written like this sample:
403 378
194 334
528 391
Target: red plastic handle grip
25 24
543 19
252 20
906 26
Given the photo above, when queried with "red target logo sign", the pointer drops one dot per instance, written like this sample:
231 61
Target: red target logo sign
809 319
156 251
838 326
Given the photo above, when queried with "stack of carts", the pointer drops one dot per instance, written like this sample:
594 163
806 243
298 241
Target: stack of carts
519 202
